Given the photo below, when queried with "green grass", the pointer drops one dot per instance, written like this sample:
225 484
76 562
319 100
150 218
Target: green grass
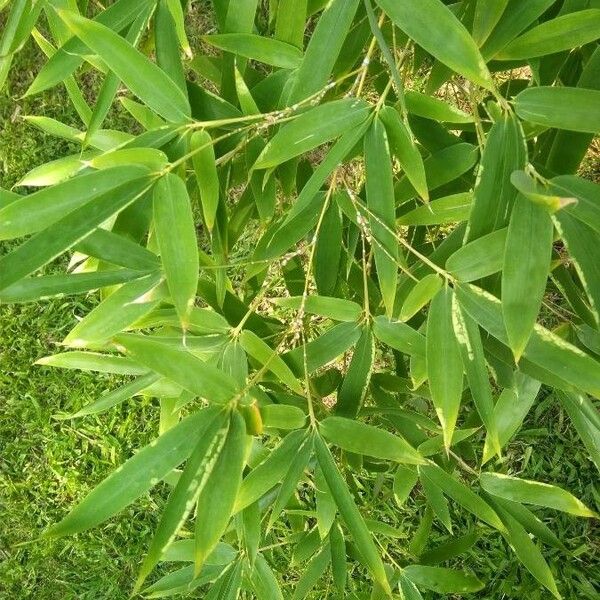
47 465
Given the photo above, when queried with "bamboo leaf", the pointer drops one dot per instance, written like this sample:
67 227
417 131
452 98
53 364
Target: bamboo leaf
176 235
368 440
142 77
444 364
526 265
136 476
435 28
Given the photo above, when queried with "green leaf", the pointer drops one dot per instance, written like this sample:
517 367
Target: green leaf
32 213
328 250
323 49
179 366
399 336
270 471
510 410
356 381
368 440
534 492
313 571
325 348
116 313
479 258
420 296
214 510
264 581
312 128
582 243
351 515
381 205
516 18
435 28
266 50
291 20
528 553
562 33
136 476
450 209
461 494
505 152
438 503
270 359
40 288
281 416
177 243
93 361
444 364
142 77
201 145
115 397
545 350
435 109
66 232
526 266
487 15
575 109
182 499
337 309
443 581
404 148
405 479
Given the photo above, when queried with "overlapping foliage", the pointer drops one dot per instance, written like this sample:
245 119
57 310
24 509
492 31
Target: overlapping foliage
350 239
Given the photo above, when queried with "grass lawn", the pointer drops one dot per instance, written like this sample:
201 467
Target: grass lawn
46 464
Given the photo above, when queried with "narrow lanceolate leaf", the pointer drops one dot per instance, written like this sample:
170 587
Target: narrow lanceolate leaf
442 580
405 150
546 351
312 128
584 249
449 209
534 492
471 350
356 381
135 477
33 289
351 515
68 231
563 33
116 313
487 15
270 359
399 336
337 309
145 79
269 472
434 27
32 213
479 258
420 295
575 109
218 496
528 552
266 50
323 49
505 152
179 366
461 494
382 215
291 20
203 159
353 436
194 477
177 243
526 264
444 364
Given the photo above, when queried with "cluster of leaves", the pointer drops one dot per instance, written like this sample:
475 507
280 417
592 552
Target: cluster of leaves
237 267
